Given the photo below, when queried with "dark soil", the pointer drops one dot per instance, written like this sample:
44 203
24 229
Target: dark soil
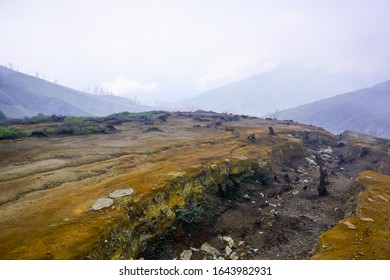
281 218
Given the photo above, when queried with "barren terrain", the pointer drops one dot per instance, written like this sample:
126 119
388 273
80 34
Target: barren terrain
195 177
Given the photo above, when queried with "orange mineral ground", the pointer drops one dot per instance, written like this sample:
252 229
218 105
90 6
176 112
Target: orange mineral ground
49 185
366 233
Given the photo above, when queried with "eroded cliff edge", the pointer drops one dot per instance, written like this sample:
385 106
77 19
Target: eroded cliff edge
184 170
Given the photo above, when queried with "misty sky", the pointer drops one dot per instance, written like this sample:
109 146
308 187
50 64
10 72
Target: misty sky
166 50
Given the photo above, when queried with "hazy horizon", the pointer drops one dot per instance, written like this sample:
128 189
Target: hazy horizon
172 50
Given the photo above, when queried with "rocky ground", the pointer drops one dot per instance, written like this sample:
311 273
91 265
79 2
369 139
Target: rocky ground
181 185
280 218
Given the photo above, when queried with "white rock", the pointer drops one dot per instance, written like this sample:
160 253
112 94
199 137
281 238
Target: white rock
228 240
328 151
349 225
102 203
367 219
241 243
306 181
261 194
121 193
234 256
186 255
228 250
382 197
206 247
176 174
371 199
295 192
247 197
310 161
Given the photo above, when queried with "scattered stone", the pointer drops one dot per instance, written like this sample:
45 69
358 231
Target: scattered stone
228 250
262 195
295 192
234 256
327 151
247 197
367 219
274 211
349 225
241 243
186 255
102 203
121 193
382 197
311 162
207 248
176 174
194 249
371 199
228 240
306 181
272 205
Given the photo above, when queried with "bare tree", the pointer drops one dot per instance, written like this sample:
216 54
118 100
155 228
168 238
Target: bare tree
323 181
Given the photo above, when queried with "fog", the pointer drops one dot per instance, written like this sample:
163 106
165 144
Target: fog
172 50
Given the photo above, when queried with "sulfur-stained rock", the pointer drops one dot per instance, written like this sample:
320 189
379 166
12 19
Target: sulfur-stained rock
102 203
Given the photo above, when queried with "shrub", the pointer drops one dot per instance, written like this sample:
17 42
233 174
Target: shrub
12 133
40 118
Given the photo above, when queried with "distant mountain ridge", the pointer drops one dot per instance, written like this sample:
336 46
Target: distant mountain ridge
285 87
366 110
24 95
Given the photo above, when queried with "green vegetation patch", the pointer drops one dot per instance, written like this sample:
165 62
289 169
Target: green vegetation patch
13 133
